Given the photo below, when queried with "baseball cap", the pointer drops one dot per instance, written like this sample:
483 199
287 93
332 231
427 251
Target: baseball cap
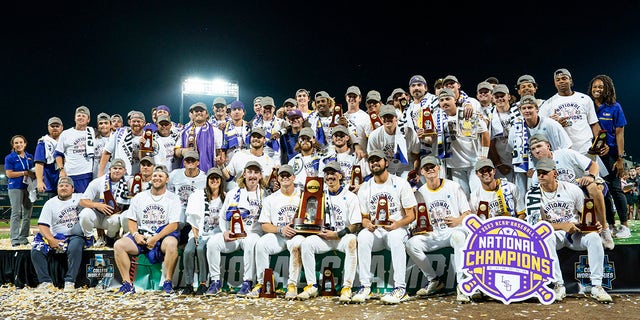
117 162
253 163
268 101
339 128
484 163
484 85
292 102
163 107
377 153
439 83
492 80
257 100
54 120
307 132
214 170
66 180
198 106
546 164
83 110
450 78
528 99
417 79
236 105
116 115
148 159
373 95
446 92
429 160
500 88
103 116
332 165
164 118
192 154
353 89
537 138
321 94
387 110
302 91
285 168
219 101
258 130
397 91
294 113
526 79
562 72
162 168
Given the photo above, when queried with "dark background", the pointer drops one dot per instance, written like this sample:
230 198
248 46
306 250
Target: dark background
116 56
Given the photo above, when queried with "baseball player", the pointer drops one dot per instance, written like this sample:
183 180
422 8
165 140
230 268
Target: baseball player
502 196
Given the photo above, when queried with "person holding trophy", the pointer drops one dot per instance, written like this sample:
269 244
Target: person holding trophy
447 205
240 227
342 221
501 196
393 194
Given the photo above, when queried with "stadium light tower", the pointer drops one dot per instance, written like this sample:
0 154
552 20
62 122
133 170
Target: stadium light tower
210 88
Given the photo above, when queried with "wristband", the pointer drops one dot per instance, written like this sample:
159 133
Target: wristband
592 176
343 232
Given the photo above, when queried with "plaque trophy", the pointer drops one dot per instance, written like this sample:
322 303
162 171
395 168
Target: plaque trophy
191 138
483 210
588 217
382 213
427 122
375 120
136 185
337 114
423 222
328 286
272 183
268 285
310 217
598 142
111 201
147 142
356 176
237 226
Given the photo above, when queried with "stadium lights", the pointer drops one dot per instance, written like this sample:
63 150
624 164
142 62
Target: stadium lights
215 87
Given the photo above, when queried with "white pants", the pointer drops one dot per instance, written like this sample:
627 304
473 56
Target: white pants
216 245
314 244
581 241
419 245
382 239
272 243
90 219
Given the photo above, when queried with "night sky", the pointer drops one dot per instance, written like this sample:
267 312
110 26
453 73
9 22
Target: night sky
115 57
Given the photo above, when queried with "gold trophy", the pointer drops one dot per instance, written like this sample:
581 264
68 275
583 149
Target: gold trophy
423 222
356 176
328 285
427 122
310 217
136 185
483 210
146 146
375 120
382 213
268 285
237 226
337 114
588 217
598 143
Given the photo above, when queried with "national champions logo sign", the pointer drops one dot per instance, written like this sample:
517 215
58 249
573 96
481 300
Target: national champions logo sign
508 259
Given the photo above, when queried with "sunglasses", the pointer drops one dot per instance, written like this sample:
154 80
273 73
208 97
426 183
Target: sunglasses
542 172
485 170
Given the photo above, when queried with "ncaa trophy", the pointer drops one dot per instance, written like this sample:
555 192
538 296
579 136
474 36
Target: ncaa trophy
588 217
310 217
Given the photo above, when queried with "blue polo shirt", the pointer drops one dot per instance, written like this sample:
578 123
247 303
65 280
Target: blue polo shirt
16 163
610 118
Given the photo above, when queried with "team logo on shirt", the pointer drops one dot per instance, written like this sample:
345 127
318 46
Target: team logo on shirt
508 259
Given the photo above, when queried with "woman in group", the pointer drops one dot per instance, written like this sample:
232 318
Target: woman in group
18 165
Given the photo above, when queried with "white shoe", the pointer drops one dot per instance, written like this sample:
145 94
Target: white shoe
292 292
607 239
69 287
461 297
396 296
310 291
623 232
599 294
45 287
255 292
362 295
345 294
561 292
101 242
433 287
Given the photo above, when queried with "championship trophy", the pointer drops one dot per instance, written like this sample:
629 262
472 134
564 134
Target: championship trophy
375 120
237 225
191 138
272 183
268 285
382 213
414 180
337 113
483 210
146 146
310 217
598 142
427 122
588 217
328 286
356 176
111 201
423 223
136 185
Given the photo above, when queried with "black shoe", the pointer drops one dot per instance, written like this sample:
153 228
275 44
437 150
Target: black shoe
188 290
202 289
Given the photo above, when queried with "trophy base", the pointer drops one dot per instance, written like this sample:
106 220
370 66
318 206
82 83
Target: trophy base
422 231
382 223
307 228
587 229
237 235
593 152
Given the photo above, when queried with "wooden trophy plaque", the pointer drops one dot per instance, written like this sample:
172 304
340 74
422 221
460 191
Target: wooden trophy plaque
269 285
335 117
375 120
328 285
483 210
356 176
272 183
191 138
111 201
310 217
427 122
423 222
136 185
237 225
382 213
599 142
146 146
588 217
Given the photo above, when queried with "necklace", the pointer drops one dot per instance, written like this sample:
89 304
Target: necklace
156 198
553 195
